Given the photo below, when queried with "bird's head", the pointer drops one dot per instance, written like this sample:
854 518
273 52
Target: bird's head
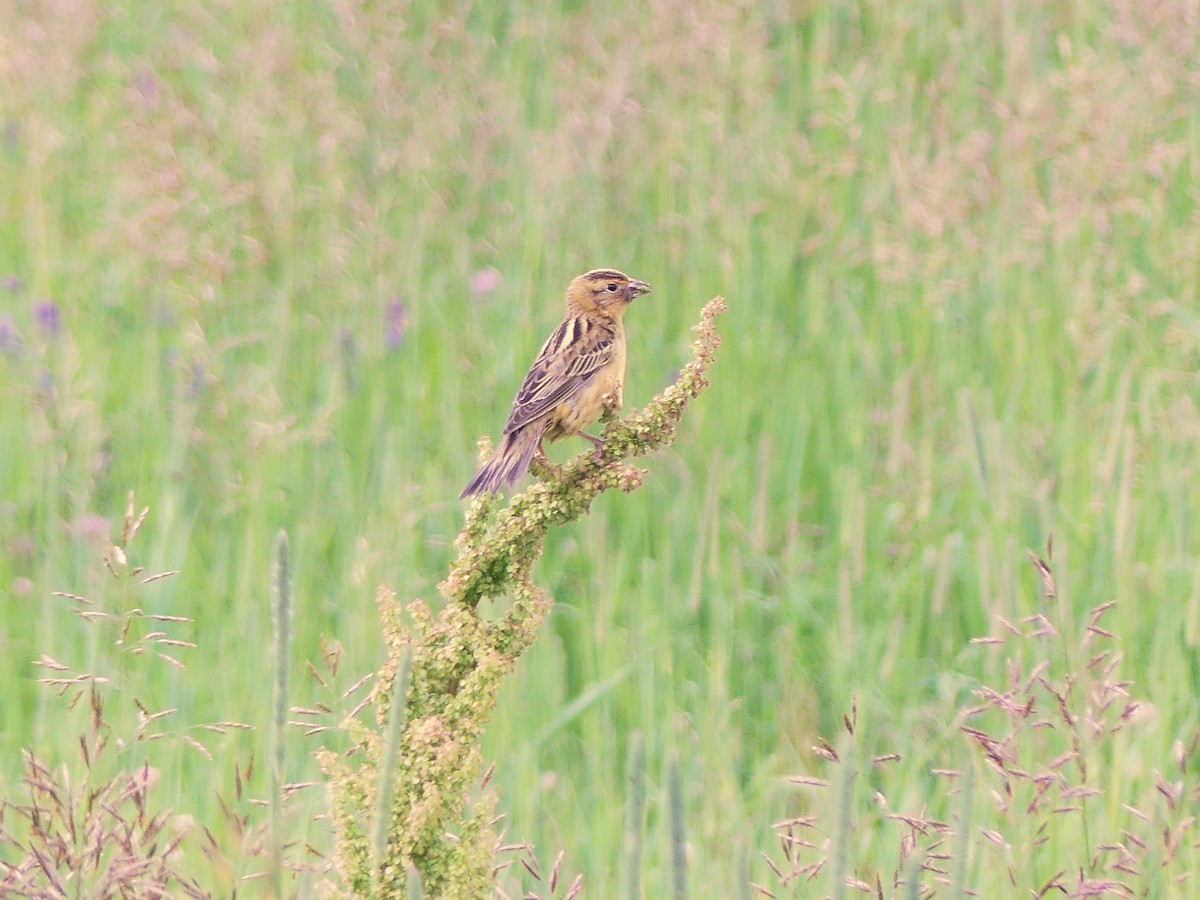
604 291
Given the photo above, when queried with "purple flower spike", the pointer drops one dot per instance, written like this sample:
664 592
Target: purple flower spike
485 281
394 334
48 317
10 339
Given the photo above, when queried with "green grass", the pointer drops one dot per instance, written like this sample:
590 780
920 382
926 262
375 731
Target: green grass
959 244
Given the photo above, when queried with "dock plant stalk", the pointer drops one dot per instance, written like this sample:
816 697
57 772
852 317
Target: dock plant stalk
441 823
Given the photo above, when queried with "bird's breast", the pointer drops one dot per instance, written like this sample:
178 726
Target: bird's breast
576 413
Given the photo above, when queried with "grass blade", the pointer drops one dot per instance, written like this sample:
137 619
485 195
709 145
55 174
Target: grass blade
281 620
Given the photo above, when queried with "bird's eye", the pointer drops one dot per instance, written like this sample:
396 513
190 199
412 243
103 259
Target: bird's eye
612 286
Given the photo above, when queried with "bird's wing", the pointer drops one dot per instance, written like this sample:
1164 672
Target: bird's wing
567 363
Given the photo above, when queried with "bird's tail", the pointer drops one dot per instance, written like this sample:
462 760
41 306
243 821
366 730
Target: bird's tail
507 464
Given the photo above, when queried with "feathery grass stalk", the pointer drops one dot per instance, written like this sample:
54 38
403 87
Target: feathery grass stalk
961 853
387 776
678 834
635 767
744 890
282 620
839 851
912 876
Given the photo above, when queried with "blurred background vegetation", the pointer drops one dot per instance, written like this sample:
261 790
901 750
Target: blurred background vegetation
277 265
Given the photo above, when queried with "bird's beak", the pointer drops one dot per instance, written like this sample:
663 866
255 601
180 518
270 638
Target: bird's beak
637 288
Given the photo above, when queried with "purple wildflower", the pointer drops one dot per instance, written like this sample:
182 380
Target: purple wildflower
10 338
394 333
48 317
146 86
485 281
197 379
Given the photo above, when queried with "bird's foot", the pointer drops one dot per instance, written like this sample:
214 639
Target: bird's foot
598 443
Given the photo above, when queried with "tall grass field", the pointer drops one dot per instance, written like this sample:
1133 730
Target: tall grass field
912 606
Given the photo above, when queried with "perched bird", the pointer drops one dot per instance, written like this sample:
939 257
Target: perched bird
578 371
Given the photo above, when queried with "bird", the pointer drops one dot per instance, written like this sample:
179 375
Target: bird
578 372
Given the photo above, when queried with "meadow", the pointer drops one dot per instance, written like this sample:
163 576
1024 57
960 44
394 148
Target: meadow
273 266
